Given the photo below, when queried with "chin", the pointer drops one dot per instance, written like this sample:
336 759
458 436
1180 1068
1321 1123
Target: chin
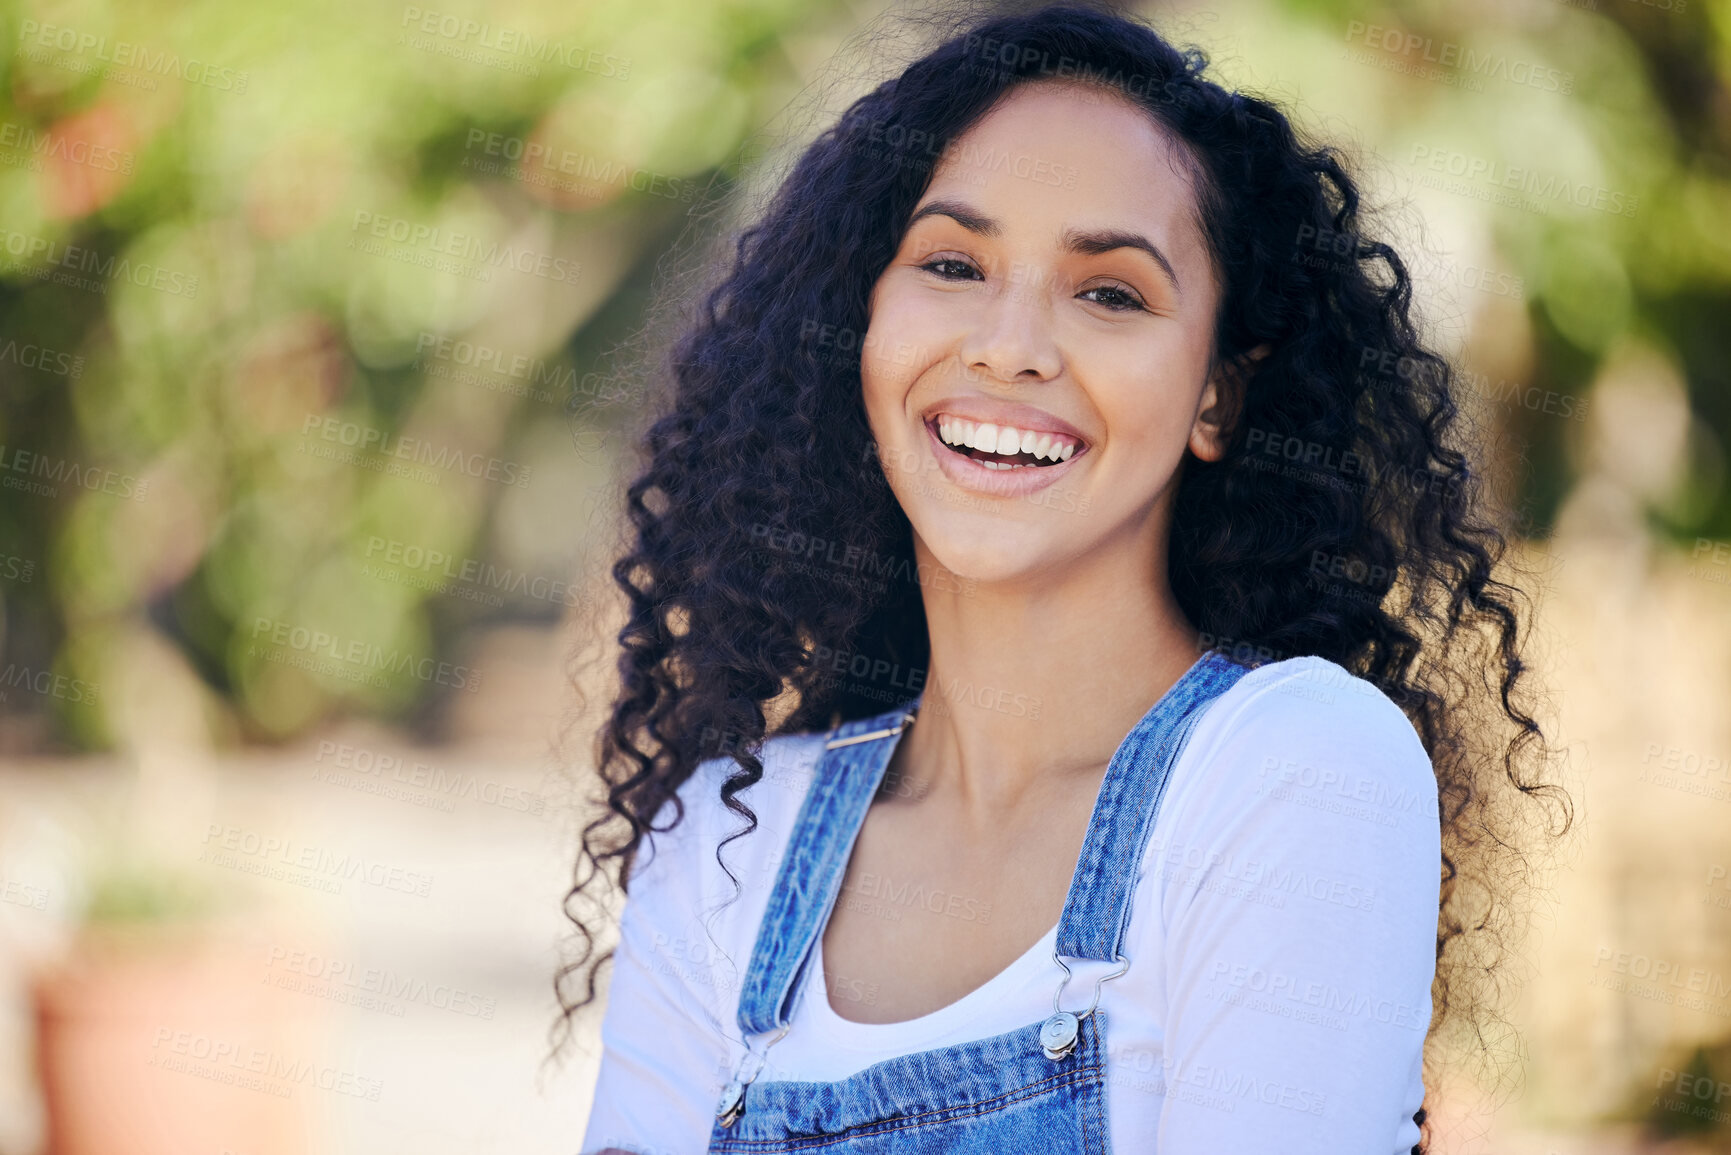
980 548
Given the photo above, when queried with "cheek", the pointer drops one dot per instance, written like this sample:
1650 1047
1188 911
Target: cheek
902 342
1146 395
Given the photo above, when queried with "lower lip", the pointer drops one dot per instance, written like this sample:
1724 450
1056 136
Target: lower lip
970 474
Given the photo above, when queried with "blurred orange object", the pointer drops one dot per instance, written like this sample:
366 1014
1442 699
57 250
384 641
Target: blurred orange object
90 159
167 1039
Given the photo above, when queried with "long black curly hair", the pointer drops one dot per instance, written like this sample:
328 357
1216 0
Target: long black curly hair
1346 519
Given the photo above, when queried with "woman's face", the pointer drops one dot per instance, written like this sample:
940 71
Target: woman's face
1053 294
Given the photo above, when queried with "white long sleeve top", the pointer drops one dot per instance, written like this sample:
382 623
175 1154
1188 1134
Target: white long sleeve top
1281 941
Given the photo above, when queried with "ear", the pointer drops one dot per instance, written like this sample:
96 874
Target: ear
1222 402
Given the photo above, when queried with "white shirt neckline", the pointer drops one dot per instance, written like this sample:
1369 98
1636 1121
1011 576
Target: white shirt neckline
917 1033
1195 1063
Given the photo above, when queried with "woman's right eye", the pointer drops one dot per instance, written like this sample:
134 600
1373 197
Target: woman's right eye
951 269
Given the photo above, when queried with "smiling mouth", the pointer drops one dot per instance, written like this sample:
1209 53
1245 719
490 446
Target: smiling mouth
1003 446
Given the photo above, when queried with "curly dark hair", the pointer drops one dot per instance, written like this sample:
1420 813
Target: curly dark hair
1346 519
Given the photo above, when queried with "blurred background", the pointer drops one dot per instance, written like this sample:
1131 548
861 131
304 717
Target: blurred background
309 434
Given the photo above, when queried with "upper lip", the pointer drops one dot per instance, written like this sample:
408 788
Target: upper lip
982 410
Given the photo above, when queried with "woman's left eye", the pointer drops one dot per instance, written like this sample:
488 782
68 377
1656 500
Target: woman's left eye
1114 297
950 268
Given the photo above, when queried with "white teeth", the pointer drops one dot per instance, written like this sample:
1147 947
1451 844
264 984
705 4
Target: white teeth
1003 439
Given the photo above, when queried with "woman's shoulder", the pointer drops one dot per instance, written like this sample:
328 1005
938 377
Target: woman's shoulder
1312 698
697 894
1308 732
789 762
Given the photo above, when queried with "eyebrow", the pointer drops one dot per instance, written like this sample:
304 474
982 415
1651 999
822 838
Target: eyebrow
1087 243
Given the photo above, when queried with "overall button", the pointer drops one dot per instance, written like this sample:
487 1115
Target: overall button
1058 1034
732 1103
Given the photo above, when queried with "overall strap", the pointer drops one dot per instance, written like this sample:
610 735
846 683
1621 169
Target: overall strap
853 763
1097 907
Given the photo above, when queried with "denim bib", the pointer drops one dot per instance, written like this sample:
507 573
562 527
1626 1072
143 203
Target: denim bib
1040 1088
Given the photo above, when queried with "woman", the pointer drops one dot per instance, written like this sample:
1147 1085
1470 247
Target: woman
1051 640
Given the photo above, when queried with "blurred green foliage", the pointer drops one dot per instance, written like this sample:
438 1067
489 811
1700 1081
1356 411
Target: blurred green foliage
143 895
301 305
1690 1099
239 240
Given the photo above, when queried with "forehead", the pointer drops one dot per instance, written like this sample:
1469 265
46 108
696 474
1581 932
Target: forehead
1079 155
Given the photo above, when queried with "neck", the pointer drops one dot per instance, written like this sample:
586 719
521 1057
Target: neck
1037 680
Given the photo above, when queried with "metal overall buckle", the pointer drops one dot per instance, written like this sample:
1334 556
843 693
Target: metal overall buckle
908 719
1059 1033
732 1104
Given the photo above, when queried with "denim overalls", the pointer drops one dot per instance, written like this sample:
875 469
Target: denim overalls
1038 1089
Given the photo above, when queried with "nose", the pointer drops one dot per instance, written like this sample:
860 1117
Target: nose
1011 339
